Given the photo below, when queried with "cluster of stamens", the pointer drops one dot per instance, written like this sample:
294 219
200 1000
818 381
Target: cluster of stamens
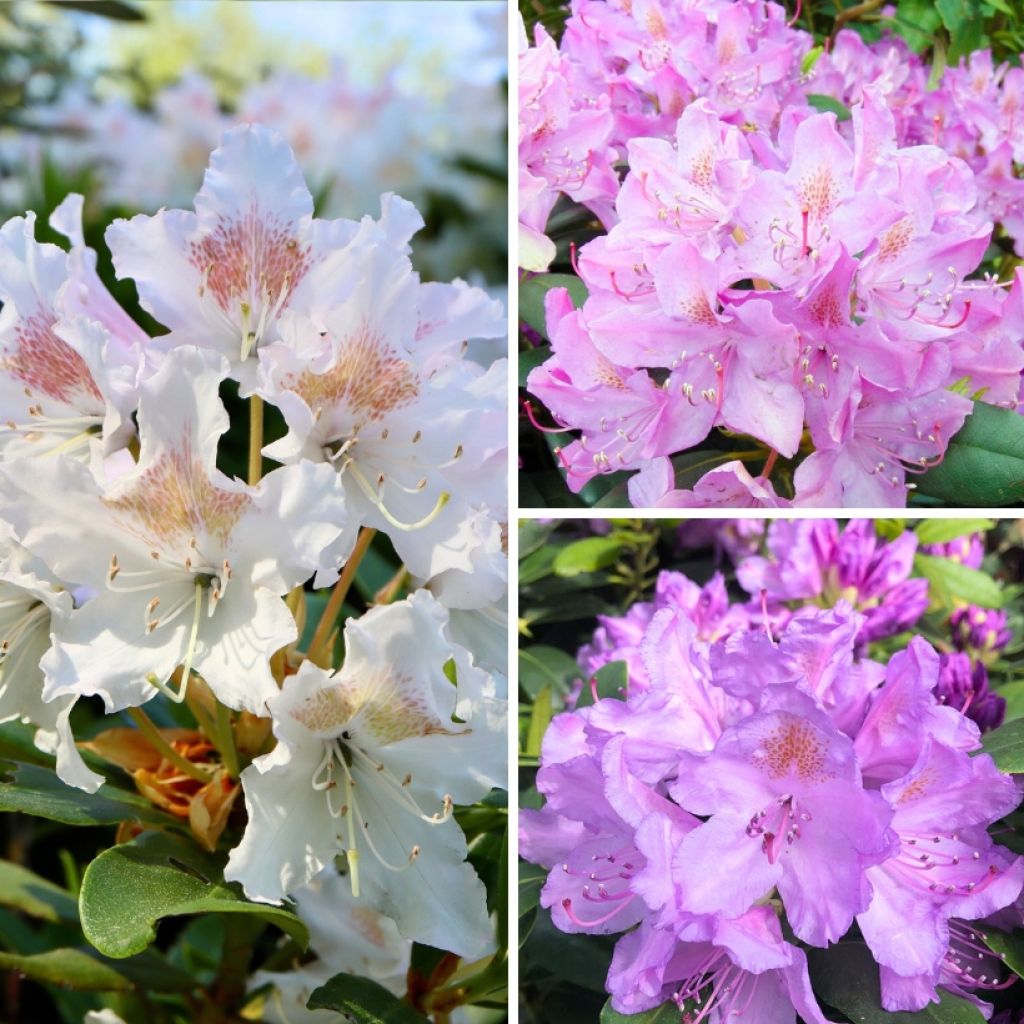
342 753
208 582
777 825
921 853
610 869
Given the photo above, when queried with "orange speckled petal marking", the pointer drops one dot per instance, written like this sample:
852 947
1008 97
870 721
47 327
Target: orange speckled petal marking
793 747
47 364
249 259
175 499
818 192
369 377
383 710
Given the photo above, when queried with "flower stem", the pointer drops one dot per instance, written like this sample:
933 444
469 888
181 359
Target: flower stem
159 744
255 440
341 588
226 740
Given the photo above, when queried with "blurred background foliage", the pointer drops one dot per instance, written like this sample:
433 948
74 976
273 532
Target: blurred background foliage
572 570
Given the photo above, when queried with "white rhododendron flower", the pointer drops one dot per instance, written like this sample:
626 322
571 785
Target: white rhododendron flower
348 937
32 606
221 277
187 565
64 380
323 741
369 762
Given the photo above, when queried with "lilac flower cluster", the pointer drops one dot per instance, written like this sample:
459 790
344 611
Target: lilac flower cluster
765 783
767 269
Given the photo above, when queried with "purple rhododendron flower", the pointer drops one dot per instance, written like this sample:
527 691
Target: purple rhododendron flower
765 784
814 559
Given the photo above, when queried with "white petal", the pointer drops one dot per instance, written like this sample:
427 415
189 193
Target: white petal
236 644
290 836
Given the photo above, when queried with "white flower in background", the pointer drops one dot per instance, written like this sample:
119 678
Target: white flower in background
102 1017
187 565
348 937
376 385
32 606
220 278
369 762
64 379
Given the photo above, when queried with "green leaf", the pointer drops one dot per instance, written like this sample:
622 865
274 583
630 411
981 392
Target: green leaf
1006 746
363 1002
950 582
533 290
810 59
127 889
540 718
828 105
941 531
1009 947
87 972
984 463
541 666
1013 694
610 681
587 555
35 896
531 880
667 1013
846 977
33 789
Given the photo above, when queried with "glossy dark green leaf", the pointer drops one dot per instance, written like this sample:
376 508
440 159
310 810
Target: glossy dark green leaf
540 666
27 892
363 1002
984 463
846 977
533 290
1006 746
33 789
86 972
667 1013
610 681
129 888
1009 947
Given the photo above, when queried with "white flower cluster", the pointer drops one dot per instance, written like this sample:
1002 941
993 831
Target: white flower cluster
131 561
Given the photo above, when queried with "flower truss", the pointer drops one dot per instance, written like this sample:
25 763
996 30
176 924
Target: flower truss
784 781
766 271
136 570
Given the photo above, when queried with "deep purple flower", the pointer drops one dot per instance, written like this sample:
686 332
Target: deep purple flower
963 684
982 631
968 550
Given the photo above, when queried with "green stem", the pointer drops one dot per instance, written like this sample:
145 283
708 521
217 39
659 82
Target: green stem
255 440
158 743
226 740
